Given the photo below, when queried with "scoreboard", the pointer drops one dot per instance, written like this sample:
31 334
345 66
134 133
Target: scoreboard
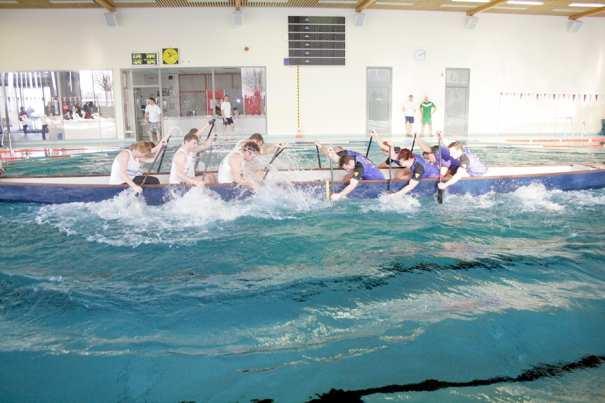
316 41
144 58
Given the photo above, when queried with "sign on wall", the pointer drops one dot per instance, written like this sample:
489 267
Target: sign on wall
144 58
170 56
316 41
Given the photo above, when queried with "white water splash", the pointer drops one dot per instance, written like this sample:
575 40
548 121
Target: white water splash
391 202
535 197
126 220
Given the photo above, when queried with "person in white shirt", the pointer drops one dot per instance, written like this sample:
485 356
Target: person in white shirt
182 170
409 112
232 169
127 169
226 112
153 117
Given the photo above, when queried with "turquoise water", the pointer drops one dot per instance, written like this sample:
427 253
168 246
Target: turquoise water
284 297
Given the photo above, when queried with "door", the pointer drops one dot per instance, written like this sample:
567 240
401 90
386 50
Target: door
456 102
379 99
141 94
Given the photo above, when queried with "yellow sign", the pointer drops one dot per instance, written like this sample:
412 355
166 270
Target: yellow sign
170 56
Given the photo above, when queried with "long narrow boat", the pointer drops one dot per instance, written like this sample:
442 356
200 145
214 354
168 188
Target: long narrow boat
68 189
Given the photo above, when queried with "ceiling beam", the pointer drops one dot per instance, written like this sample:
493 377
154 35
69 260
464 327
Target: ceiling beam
484 7
238 4
106 4
363 4
587 13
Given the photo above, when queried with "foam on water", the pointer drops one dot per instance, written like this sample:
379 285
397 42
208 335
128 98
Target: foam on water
126 220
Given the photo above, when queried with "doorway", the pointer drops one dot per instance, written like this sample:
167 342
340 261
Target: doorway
457 83
379 82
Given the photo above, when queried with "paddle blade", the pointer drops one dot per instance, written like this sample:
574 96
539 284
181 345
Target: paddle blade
440 196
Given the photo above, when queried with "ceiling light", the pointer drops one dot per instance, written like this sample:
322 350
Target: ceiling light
456 6
71 1
587 5
9 2
470 1
525 2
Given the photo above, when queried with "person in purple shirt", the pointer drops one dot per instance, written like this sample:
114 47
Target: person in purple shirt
468 164
417 169
356 165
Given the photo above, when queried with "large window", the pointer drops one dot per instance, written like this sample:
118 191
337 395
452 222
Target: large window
57 105
188 96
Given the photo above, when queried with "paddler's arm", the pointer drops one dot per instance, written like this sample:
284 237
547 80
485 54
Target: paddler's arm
272 148
460 173
345 192
328 151
123 162
425 147
414 181
235 163
204 146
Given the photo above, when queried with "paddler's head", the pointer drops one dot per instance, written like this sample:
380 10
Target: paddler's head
406 158
191 140
456 149
250 150
141 149
347 163
258 139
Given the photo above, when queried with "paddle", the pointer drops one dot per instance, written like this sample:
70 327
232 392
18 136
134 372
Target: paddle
390 174
413 143
318 158
370 143
439 191
197 161
275 155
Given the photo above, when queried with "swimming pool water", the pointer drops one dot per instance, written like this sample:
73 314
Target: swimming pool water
284 297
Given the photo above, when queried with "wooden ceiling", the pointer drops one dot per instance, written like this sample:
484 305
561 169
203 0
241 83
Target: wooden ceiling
564 8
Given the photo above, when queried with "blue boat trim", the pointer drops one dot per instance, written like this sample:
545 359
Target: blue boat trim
51 193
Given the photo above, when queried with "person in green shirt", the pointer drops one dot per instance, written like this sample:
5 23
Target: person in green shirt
426 110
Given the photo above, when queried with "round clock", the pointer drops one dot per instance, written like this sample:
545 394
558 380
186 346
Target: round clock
170 56
420 55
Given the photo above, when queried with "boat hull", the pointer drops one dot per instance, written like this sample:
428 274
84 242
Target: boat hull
39 190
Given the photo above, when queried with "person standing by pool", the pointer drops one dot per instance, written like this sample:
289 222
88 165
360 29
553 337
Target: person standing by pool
232 167
182 170
409 113
427 108
226 112
467 164
153 117
126 167
417 168
24 120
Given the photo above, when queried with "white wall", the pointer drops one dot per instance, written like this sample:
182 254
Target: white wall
506 53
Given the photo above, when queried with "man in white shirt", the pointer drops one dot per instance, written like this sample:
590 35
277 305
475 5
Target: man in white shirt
226 112
153 117
409 111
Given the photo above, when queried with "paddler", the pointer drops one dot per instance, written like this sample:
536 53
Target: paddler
126 167
232 168
466 164
182 170
356 165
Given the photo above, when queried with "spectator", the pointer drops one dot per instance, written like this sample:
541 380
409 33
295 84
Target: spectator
24 120
427 108
409 112
153 117
226 112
